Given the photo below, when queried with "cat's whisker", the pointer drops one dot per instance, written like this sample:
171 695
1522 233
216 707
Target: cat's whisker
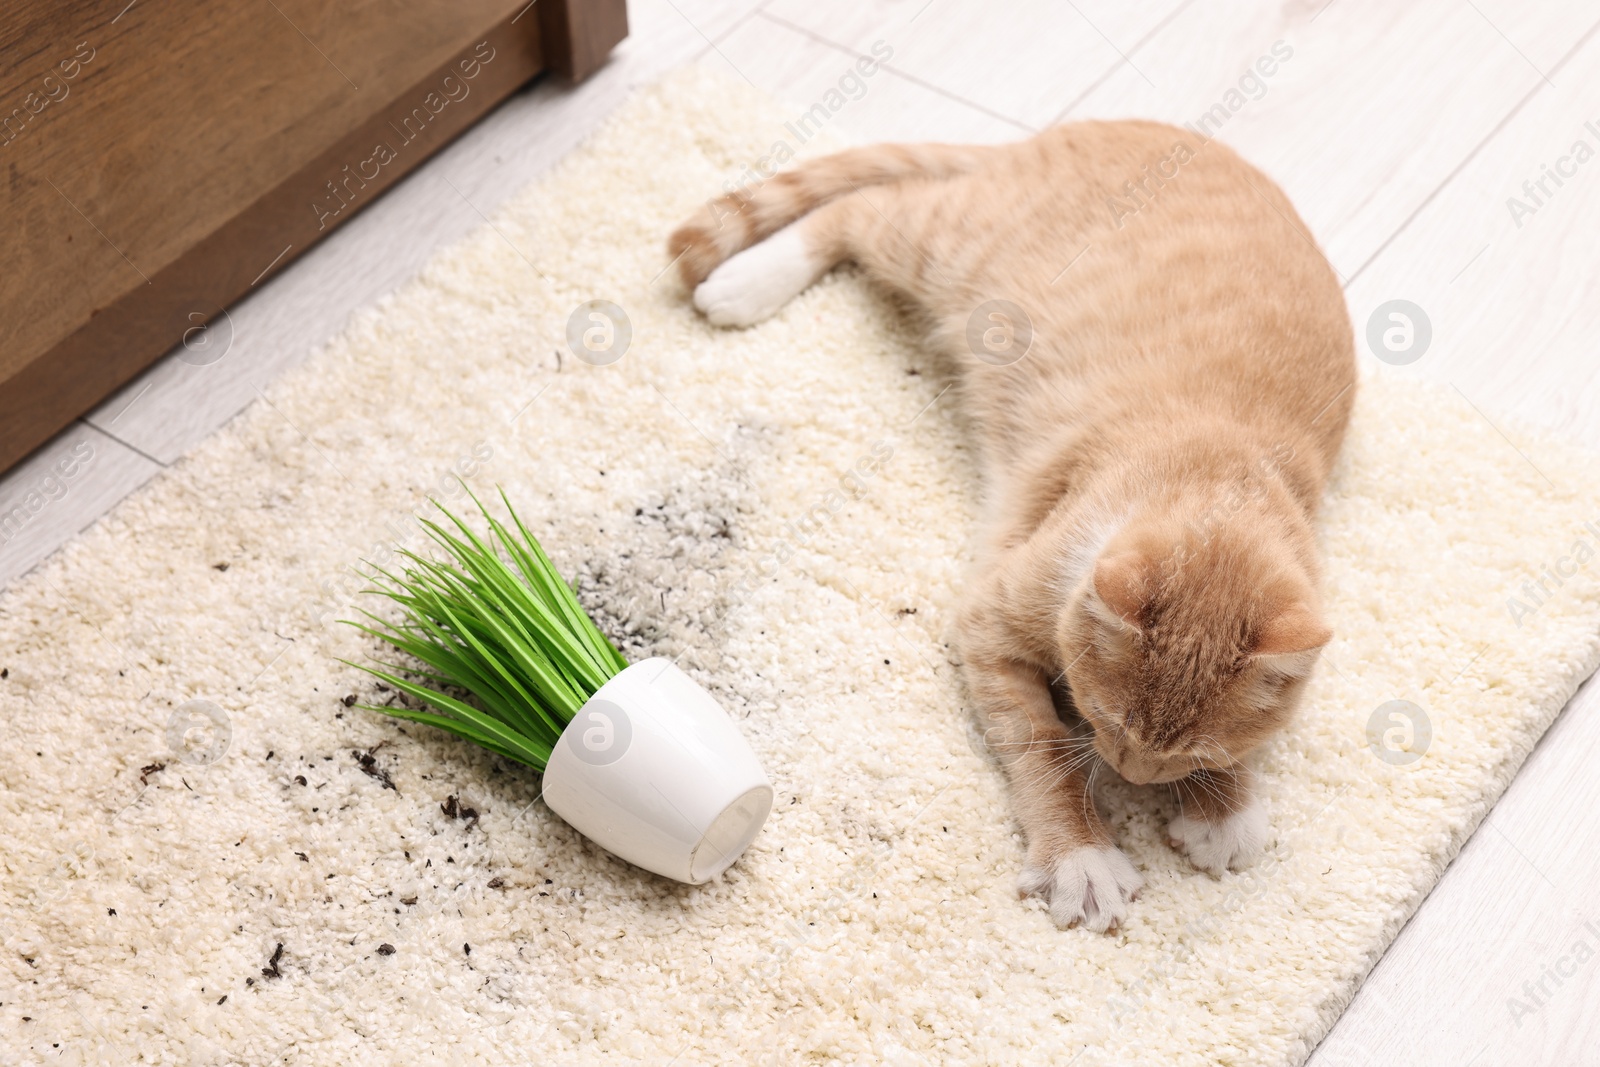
1051 780
1048 744
1200 785
1054 771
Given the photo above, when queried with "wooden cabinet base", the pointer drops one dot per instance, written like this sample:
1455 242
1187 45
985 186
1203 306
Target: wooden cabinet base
163 160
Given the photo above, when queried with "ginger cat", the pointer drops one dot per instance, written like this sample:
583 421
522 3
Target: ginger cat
1158 363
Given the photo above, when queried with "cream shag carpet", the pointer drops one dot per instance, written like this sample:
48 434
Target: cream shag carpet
788 510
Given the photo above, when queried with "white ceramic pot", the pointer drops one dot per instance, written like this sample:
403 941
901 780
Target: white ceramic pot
654 770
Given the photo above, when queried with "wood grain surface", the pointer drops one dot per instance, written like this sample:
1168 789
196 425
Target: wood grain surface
162 160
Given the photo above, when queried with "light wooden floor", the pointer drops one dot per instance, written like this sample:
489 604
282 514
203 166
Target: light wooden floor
1400 130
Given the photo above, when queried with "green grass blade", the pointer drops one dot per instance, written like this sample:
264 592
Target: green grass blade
566 700
453 726
451 669
557 588
485 724
540 627
540 573
497 583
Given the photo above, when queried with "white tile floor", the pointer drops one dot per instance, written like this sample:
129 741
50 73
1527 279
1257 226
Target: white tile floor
1400 130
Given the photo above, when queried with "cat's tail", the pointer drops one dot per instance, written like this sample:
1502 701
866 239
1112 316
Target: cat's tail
740 219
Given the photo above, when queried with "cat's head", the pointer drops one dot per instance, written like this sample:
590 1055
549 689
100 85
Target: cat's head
1186 654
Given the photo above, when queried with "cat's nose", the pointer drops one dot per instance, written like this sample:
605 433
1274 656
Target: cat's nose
1137 774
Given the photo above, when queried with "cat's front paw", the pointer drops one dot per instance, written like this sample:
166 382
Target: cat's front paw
1234 841
1091 885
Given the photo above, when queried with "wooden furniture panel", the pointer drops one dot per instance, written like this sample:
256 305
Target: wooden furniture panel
122 239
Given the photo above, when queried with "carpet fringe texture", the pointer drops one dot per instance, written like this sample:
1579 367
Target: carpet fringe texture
209 858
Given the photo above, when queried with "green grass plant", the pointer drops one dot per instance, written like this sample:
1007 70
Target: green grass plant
495 622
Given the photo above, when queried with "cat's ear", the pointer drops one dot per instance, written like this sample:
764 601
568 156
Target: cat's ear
1289 641
1121 586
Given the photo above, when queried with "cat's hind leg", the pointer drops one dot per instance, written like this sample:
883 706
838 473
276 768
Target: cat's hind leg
754 284
881 228
737 221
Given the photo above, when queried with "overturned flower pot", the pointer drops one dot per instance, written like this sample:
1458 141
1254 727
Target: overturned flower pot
640 759
652 769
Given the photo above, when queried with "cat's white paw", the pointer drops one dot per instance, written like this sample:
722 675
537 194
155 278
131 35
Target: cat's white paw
1215 846
754 284
1090 885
